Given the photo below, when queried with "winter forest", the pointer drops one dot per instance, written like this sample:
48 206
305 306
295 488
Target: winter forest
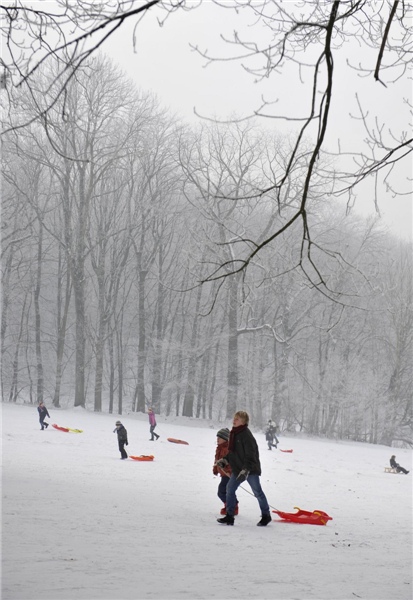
131 276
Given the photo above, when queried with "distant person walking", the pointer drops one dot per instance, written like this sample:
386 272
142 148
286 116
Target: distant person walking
152 423
243 456
270 435
396 466
43 413
122 439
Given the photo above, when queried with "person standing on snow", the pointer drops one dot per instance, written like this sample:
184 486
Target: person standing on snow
270 435
152 423
122 439
270 439
43 413
396 466
220 452
243 456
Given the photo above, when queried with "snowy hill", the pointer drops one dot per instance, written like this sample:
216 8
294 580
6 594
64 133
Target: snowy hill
79 523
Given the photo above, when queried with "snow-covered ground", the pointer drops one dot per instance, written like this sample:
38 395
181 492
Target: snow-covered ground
79 523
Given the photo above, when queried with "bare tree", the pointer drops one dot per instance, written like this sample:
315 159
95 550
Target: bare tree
92 131
219 163
397 340
66 37
129 229
223 165
294 40
302 41
151 190
63 297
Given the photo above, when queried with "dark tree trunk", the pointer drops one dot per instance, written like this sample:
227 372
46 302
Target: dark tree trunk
39 360
214 367
276 400
14 385
232 376
141 342
188 407
111 372
4 308
157 345
101 333
79 292
180 369
28 361
61 327
76 255
204 387
120 367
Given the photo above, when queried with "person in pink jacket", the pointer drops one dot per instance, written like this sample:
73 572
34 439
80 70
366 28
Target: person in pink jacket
152 423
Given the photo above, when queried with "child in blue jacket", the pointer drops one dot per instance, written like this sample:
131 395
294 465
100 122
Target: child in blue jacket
43 413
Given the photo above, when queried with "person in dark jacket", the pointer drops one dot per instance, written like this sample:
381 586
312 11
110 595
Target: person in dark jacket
122 439
220 452
43 413
396 466
243 456
270 435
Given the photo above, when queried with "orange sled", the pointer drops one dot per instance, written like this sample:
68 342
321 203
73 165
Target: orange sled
174 441
142 457
61 428
317 517
285 450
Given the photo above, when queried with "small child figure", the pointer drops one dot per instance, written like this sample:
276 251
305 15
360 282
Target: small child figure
152 423
270 435
396 466
43 413
122 439
220 452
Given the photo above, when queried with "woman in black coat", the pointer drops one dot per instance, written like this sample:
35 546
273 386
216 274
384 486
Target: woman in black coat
243 456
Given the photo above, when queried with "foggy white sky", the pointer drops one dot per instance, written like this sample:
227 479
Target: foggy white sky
165 64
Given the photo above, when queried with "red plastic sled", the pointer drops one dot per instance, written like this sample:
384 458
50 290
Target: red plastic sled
285 450
142 457
174 441
317 517
61 428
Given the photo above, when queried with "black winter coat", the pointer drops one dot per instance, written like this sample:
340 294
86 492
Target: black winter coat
245 454
43 413
269 435
122 434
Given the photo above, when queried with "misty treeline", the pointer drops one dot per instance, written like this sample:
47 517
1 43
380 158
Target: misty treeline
114 212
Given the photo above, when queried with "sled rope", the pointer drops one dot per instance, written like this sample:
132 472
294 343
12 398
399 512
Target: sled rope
251 494
240 486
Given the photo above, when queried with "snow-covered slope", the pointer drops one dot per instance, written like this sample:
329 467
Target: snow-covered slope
79 523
